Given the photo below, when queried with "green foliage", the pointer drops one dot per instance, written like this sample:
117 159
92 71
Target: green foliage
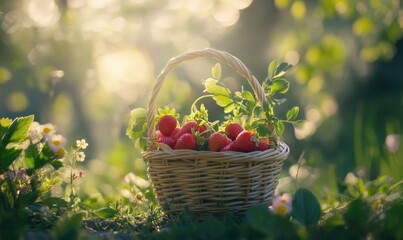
12 135
305 207
244 107
31 165
137 127
68 227
270 225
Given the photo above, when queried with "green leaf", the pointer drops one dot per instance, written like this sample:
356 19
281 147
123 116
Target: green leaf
279 101
57 163
279 85
7 157
4 125
138 113
248 96
305 207
35 160
357 215
263 130
257 110
292 113
229 108
106 212
18 130
272 68
216 71
223 101
137 128
298 123
281 69
279 126
141 143
258 217
211 86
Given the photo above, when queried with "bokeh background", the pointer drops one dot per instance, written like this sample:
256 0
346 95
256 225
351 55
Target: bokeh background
84 64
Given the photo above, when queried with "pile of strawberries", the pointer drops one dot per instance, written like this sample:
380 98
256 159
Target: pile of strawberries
235 138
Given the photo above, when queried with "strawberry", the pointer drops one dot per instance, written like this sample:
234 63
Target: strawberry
263 144
227 148
186 141
168 141
233 129
244 142
167 124
174 132
159 135
187 128
218 140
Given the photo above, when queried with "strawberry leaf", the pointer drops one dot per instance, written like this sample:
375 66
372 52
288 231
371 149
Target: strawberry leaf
279 126
211 86
298 123
223 101
292 113
248 96
305 207
216 71
272 68
137 129
281 69
263 130
229 108
279 85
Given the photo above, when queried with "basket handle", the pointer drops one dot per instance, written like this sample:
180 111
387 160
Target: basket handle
221 56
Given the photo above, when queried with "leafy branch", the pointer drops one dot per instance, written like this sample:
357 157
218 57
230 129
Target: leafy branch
245 108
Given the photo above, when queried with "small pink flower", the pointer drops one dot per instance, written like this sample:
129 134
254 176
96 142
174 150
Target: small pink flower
282 205
56 142
392 142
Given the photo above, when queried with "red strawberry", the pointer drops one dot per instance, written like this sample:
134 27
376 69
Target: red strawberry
263 145
233 130
227 148
244 142
218 140
187 128
167 124
186 141
174 132
168 141
159 135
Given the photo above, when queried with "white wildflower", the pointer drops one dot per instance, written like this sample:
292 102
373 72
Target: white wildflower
48 129
82 144
80 156
35 132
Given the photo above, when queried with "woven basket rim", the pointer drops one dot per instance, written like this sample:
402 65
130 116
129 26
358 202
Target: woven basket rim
272 154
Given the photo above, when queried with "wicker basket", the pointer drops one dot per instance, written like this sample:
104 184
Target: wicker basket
205 181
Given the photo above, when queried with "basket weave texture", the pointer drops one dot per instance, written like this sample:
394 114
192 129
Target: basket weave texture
211 182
